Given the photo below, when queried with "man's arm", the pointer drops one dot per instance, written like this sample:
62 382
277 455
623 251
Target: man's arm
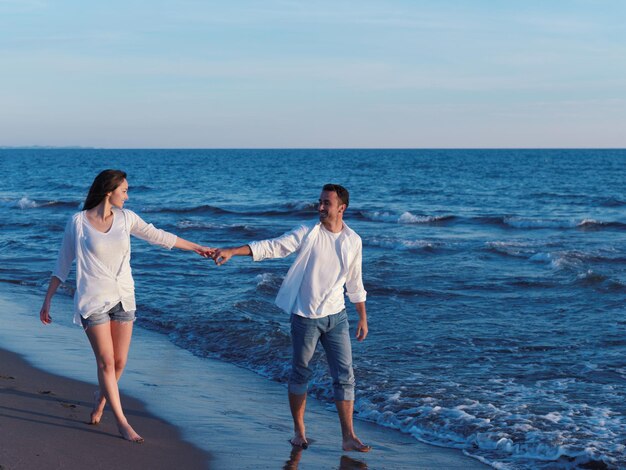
361 327
222 255
279 247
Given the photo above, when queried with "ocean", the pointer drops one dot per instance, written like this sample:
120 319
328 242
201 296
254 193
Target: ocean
496 279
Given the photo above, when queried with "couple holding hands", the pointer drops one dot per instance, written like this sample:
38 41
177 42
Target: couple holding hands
328 259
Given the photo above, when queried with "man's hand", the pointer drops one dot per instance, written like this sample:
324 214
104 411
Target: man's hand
222 255
361 329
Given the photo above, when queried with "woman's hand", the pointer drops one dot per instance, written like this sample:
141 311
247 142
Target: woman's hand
205 251
44 313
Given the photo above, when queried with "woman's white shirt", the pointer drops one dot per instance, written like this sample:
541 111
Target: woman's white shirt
110 247
103 273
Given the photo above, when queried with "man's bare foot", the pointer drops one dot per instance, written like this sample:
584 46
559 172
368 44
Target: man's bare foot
299 441
129 433
354 443
98 408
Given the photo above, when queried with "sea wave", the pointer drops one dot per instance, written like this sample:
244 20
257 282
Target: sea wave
186 225
538 223
514 248
528 249
27 203
288 208
600 281
511 436
402 244
201 209
404 217
611 202
380 290
268 283
530 223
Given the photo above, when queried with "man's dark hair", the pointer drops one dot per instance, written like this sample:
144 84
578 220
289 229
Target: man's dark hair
342 193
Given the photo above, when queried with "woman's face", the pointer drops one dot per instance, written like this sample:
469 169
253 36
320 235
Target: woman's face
118 197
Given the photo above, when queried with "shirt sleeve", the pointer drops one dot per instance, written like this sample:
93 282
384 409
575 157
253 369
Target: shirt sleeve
279 247
67 252
148 232
354 281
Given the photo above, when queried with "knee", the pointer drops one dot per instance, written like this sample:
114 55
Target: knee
106 363
120 364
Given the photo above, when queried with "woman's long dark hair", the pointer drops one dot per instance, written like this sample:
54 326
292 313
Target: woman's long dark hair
106 182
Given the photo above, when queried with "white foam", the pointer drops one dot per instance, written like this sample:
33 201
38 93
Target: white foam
585 222
404 218
409 218
401 244
267 279
538 223
26 203
592 276
527 222
302 205
541 258
195 224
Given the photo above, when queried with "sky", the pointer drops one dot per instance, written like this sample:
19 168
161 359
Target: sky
313 74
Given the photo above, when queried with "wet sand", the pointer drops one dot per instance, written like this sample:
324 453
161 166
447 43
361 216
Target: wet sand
43 425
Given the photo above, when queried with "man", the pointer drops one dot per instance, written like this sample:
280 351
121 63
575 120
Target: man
329 258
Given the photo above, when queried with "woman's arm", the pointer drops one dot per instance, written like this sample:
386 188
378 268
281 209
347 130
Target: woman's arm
148 232
67 253
44 313
183 244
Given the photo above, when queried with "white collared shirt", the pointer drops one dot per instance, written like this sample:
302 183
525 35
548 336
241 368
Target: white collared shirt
103 273
325 295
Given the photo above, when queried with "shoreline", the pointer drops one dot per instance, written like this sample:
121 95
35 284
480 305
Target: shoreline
237 418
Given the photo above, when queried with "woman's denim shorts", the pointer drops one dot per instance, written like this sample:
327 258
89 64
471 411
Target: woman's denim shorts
117 313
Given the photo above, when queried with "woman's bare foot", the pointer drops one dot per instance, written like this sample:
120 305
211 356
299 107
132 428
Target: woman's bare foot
354 443
98 407
129 433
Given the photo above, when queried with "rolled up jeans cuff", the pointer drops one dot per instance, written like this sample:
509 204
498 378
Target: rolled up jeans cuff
298 389
344 394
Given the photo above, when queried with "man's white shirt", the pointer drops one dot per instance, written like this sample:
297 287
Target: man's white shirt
325 263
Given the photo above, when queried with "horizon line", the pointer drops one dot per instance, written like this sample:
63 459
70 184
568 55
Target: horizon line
78 147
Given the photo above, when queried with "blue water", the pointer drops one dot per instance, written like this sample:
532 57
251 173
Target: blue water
496 279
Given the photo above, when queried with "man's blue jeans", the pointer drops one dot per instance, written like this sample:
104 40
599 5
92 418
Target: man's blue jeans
333 332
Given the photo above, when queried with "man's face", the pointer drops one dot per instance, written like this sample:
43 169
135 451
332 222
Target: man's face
330 206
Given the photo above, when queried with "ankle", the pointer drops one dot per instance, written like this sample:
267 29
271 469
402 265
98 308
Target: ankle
122 423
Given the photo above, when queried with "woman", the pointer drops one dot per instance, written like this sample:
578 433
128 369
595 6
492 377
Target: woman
98 238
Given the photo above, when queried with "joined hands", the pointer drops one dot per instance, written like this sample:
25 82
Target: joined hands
219 255
205 251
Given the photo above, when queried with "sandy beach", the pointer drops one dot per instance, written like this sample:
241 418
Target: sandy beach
221 416
43 425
